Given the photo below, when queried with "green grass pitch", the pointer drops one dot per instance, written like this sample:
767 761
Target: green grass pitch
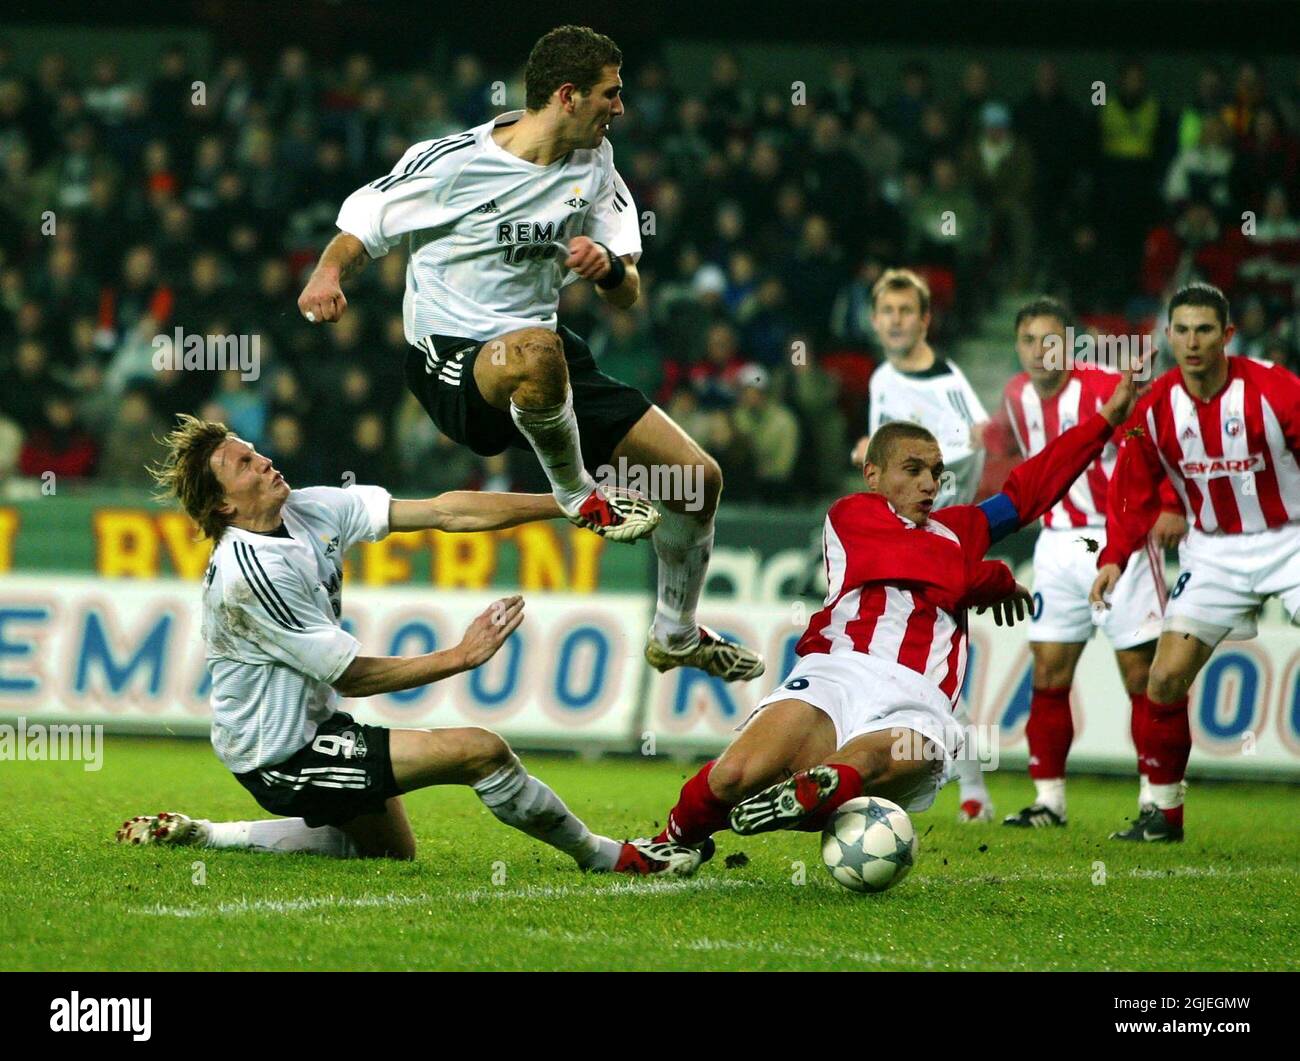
980 897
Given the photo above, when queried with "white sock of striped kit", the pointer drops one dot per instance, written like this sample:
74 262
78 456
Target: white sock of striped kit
281 835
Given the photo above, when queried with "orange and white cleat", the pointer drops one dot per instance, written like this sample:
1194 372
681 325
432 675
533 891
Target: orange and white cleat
169 827
617 514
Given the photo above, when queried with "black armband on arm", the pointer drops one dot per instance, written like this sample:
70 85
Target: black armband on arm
617 271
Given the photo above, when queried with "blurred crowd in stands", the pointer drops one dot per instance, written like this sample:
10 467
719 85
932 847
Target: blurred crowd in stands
135 201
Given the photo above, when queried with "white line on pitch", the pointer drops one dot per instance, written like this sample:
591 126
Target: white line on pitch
562 891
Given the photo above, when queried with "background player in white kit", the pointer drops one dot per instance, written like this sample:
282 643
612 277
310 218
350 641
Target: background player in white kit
1048 397
1225 431
497 219
279 659
917 386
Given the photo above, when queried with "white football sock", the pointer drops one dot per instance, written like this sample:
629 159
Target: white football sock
553 434
1144 791
683 544
1050 792
1167 797
281 835
529 805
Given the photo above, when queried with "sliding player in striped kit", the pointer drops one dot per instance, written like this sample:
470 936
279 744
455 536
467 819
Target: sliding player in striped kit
917 386
1225 431
497 220
1049 397
868 709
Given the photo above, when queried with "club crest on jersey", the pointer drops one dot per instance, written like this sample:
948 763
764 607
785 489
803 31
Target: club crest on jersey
577 202
1233 426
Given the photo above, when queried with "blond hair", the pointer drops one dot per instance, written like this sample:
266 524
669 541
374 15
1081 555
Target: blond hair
901 280
186 474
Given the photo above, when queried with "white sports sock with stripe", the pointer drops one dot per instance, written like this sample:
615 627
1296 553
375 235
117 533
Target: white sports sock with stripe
553 434
529 805
281 835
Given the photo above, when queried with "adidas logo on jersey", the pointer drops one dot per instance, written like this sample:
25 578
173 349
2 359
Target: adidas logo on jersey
1188 432
490 207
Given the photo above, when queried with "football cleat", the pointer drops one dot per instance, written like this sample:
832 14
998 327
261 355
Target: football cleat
1151 827
619 515
712 653
1038 816
786 803
169 827
974 810
643 858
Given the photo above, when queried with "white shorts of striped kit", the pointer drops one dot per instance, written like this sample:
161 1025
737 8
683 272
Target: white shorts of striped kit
1065 567
861 694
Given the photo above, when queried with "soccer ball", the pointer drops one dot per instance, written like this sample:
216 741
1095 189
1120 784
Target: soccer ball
869 844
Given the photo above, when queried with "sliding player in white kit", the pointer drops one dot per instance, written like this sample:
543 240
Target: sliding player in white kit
496 220
1225 432
917 386
279 659
1049 397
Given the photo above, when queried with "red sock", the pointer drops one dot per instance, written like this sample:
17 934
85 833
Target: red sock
1137 727
698 814
1173 815
1167 741
850 787
1050 732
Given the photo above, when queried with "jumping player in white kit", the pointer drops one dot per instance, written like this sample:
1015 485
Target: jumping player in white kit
497 219
915 385
1050 396
1225 431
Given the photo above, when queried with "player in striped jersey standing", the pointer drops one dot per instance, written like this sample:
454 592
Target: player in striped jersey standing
917 386
1225 431
497 220
1048 397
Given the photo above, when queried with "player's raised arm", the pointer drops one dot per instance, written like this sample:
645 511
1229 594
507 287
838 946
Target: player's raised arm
1040 482
470 510
373 675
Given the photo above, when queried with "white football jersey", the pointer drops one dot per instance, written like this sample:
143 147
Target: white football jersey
481 226
271 607
942 401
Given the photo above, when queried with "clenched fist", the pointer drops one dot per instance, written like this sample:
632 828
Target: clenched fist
322 300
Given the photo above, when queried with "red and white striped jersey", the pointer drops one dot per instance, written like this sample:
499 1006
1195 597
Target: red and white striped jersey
1231 459
1037 420
902 625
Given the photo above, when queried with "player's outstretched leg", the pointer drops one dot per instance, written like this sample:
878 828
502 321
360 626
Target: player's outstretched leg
485 762
525 373
277 835
780 737
683 542
870 764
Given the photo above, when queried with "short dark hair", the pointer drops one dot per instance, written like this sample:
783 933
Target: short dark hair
1199 293
1043 306
574 54
881 446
